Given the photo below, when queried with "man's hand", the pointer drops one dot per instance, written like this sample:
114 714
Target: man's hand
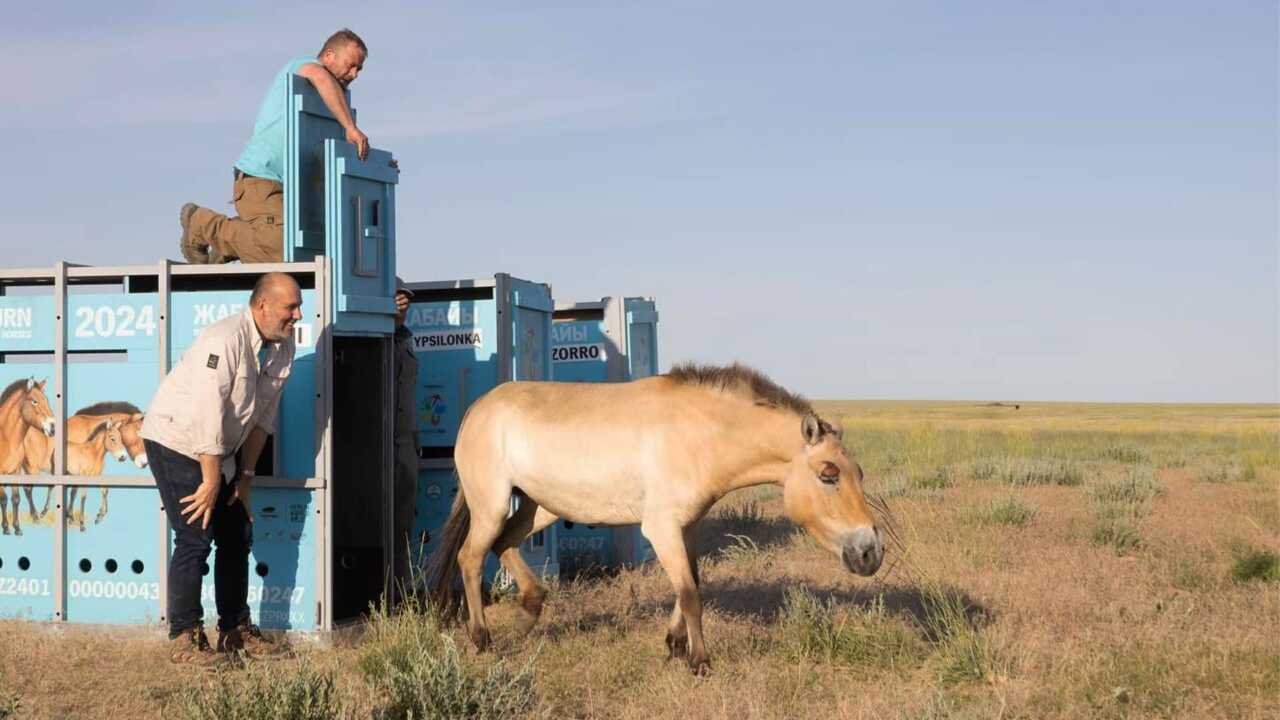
241 492
402 303
200 503
360 140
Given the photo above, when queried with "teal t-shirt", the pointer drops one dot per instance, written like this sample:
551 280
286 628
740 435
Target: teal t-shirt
264 155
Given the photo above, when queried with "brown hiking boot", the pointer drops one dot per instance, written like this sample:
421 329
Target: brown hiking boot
192 648
248 638
193 251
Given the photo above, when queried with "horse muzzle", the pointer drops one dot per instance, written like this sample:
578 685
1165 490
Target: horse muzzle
47 426
141 460
863 551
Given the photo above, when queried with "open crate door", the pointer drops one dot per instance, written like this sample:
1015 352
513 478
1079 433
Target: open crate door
360 237
308 124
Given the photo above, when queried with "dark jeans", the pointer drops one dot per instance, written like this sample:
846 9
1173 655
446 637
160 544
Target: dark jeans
178 476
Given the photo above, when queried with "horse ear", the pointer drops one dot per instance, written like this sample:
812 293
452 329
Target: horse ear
811 428
137 417
31 382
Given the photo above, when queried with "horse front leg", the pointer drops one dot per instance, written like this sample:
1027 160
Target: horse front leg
677 631
102 509
4 509
669 545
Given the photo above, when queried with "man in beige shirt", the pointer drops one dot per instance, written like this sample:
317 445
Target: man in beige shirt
219 400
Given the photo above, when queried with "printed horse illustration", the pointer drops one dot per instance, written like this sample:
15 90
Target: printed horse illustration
122 442
658 451
23 406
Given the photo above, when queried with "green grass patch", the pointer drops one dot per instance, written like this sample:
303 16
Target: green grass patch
1008 510
293 691
866 637
1252 565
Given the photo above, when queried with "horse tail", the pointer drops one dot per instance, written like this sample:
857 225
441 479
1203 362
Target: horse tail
442 566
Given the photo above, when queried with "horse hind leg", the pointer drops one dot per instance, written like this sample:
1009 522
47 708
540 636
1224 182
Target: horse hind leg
528 519
16 501
487 519
4 509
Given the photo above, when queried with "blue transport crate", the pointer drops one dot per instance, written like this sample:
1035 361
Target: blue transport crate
610 340
470 336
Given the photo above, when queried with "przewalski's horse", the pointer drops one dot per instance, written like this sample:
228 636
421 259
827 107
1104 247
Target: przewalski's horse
658 451
126 444
23 406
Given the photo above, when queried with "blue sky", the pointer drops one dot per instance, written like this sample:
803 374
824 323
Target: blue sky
1017 200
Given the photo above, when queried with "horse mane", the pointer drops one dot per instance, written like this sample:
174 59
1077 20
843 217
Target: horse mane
110 407
12 388
743 382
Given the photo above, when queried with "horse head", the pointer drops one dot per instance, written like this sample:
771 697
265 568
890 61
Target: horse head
114 443
35 407
130 431
823 493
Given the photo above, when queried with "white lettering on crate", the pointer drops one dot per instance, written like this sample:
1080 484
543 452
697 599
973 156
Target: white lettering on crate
452 314
15 323
210 313
30 587
106 321
568 333
114 590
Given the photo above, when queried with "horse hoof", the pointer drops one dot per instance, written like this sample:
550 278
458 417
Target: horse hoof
700 668
480 638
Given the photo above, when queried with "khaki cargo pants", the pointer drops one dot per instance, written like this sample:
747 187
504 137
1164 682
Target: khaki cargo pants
256 236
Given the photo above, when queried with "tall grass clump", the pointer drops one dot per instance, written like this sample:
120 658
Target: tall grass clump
1252 564
865 637
739 519
1229 472
1022 471
9 705
1125 453
267 692
1008 510
1119 504
420 674
965 653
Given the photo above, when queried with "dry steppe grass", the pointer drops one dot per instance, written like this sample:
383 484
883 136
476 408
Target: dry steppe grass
1053 561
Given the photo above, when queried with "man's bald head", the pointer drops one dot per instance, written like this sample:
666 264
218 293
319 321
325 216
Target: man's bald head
276 304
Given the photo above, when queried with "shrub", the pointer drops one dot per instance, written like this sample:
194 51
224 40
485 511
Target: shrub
421 674
1252 564
428 683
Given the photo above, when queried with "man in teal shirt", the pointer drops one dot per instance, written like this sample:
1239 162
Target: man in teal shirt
257 234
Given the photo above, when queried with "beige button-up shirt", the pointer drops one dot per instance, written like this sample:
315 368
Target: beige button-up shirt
217 392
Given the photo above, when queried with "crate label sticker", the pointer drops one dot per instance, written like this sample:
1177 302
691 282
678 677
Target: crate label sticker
579 353
448 340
